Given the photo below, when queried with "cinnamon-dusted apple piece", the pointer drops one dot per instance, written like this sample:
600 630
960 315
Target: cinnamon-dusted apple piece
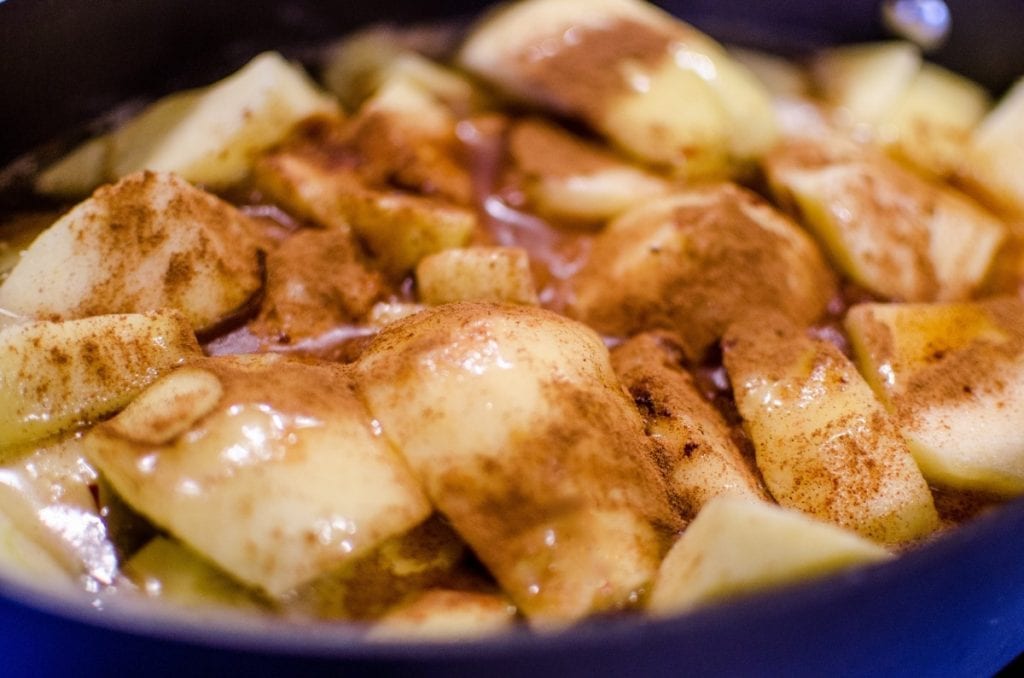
58 375
269 467
476 274
515 423
919 112
738 546
953 376
440 614
209 136
695 261
569 178
367 61
992 163
864 81
429 556
330 174
168 570
317 279
888 229
149 242
699 457
653 85
824 444
931 124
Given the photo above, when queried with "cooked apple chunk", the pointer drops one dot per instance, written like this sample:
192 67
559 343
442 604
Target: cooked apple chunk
266 466
55 376
864 81
317 279
431 555
738 546
208 136
311 176
569 178
515 423
47 494
930 124
167 569
446 615
149 242
654 86
992 163
695 261
699 457
953 376
365 62
476 273
824 444
889 230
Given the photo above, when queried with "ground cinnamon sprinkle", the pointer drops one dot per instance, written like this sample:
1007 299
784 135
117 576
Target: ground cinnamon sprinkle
722 264
540 148
961 374
582 73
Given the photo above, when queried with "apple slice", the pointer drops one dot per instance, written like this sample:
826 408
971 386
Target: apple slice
992 164
430 555
446 615
739 546
699 458
149 242
476 273
208 136
515 423
889 230
317 279
56 376
824 444
268 467
865 80
654 86
366 61
47 494
79 172
696 260
167 569
953 376
399 227
571 179
26 561
930 124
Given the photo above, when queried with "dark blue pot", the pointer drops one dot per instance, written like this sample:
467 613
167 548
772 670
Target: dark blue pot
953 608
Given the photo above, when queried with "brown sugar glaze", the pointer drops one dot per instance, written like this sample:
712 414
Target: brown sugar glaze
557 251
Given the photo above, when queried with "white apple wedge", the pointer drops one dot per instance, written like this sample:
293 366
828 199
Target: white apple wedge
209 136
567 177
699 457
655 87
864 81
953 377
824 444
889 230
56 376
441 614
991 166
268 467
515 423
147 243
694 261
739 546
476 274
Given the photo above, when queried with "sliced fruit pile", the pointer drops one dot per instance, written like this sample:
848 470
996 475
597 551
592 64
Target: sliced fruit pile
576 313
